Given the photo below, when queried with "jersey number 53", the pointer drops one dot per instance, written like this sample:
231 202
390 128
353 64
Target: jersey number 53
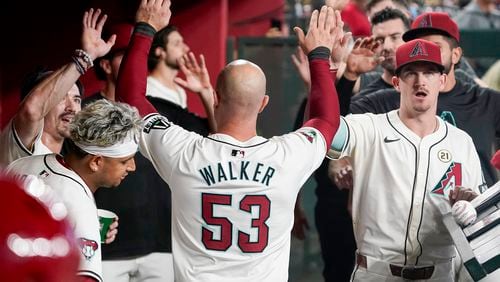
226 226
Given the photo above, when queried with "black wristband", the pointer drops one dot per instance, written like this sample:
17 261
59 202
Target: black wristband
321 52
145 28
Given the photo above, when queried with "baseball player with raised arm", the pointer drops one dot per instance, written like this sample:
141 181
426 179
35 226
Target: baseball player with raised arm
51 99
104 140
407 162
233 192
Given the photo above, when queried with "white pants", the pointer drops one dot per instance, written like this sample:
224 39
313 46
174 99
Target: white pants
154 267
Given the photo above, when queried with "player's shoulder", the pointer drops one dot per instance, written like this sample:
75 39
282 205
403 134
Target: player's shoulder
455 132
28 162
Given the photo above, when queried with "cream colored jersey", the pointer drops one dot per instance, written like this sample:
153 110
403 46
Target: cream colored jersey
232 201
75 194
11 147
399 179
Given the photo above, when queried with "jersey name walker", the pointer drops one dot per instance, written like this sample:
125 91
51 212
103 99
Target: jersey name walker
232 201
79 201
11 147
394 206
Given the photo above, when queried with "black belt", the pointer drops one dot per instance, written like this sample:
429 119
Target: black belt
405 272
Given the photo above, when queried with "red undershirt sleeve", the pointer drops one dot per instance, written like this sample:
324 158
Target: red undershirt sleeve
323 101
132 78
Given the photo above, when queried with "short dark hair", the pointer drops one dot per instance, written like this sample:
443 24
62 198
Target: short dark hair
33 78
160 40
371 3
388 14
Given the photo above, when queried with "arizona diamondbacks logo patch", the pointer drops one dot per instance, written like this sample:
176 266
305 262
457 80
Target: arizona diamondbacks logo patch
157 122
87 247
451 178
310 135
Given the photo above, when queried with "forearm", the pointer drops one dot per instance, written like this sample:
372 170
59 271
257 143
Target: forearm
132 78
323 100
28 121
207 99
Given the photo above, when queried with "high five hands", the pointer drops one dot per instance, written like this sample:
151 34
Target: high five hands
325 29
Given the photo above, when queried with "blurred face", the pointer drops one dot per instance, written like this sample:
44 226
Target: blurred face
386 4
390 36
175 49
336 4
114 170
449 56
57 121
419 84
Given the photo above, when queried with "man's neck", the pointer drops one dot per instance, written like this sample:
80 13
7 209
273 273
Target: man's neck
79 167
450 81
108 91
54 144
165 75
422 124
387 77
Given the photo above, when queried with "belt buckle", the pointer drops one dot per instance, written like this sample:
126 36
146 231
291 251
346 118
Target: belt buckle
408 271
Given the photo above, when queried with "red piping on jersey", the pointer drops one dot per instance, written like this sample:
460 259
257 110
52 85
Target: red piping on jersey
324 112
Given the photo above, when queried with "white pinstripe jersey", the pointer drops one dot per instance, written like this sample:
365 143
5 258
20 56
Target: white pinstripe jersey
79 201
11 147
232 201
396 176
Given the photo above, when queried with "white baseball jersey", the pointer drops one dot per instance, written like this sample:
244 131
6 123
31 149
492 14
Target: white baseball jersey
11 147
75 194
232 201
399 178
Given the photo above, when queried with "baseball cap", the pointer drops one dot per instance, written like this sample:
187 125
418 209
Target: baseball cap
418 50
437 22
123 33
36 240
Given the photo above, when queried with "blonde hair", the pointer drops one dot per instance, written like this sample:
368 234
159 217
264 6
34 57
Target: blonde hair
104 123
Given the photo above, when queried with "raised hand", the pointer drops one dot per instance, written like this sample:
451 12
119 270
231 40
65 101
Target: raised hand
197 77
92 43
363 58
319 33
341 41
154 12
301 63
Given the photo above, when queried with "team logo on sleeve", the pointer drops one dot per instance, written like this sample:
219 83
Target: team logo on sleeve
310 135
451 178
87 247
156 122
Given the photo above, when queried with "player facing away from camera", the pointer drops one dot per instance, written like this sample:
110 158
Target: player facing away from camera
233 193
102 146
407 161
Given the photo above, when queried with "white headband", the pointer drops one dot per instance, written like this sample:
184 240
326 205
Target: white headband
125 148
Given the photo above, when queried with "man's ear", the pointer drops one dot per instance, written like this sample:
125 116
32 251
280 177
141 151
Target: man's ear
456 54
265 100
105 65
395 82
443 78
158 51
95 163
216 98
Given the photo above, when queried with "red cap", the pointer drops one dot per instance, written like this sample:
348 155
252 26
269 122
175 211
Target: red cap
434 22
418 50
123 33
495 161
35 245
